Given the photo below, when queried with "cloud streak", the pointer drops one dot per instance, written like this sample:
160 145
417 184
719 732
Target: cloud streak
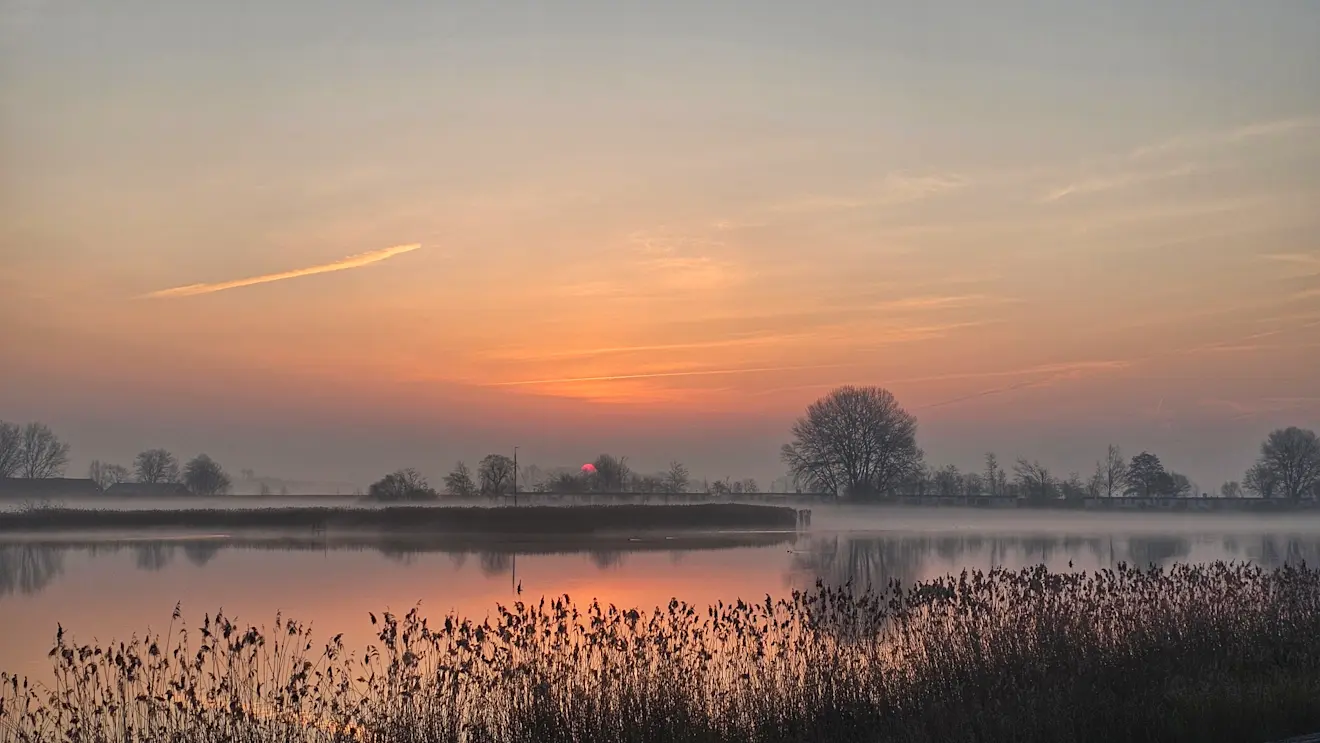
353 261
660 375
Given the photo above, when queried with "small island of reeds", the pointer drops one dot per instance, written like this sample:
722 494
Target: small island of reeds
1206 652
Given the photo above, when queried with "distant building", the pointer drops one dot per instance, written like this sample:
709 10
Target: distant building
148 490
44 488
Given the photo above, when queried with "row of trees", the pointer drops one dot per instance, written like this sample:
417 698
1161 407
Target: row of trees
495 476
201 475
859 442
34 451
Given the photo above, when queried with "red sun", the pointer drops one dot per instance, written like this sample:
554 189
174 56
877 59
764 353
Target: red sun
588 469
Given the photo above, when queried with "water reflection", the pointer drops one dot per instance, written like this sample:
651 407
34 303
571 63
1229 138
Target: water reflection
29 567
877 560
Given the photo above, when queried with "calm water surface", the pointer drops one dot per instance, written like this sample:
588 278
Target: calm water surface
111 587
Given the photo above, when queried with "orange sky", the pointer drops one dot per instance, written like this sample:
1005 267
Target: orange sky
623 233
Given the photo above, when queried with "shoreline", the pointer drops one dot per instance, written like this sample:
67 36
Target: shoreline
492 522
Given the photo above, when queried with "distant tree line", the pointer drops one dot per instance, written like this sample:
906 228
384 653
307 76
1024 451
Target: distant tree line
855 442
859 442
33 451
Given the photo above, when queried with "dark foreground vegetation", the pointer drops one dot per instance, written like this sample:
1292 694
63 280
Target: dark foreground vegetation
1220 652
565 520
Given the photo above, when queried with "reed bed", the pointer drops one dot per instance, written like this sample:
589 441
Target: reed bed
558 520
1206 652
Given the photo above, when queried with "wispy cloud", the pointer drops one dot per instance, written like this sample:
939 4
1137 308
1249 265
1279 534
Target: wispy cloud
1220 138
1115 181
353 261
1127 167
661 375
1046 375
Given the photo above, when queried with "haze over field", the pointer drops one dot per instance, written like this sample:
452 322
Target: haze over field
324 241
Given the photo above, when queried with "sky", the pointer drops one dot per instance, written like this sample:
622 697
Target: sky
328 239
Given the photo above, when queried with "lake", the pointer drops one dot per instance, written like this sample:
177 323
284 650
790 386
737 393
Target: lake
112 586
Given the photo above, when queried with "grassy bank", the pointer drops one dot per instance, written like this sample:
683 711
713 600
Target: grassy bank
566 520
1195 653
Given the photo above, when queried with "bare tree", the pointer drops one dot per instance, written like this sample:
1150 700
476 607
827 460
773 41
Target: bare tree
205 476
1111 473
105 475
854 441
972 484
459 484
1231 489
993 474
1073 488
948 480
611 473
403 485
156 466
496 474
11 448
1289 464
1181 485
42 454
1034 479
749 485
677 478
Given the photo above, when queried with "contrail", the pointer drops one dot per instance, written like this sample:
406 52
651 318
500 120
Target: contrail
656 375
352 261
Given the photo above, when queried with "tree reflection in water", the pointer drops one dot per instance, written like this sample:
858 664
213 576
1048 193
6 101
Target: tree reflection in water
875 561
865 559
28 568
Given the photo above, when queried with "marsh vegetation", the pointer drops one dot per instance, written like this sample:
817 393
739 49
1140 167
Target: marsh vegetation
1208 652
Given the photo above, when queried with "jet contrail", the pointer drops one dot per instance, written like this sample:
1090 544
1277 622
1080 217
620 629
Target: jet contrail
657 375
352 261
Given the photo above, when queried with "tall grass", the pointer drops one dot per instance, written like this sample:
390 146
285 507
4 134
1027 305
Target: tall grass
1217 652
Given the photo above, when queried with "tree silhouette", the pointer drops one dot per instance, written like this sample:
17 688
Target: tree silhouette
11 448
496 474
204 476
1111 473
41 452
403 485
459 484
1289 463
1147 478
676 479
854 441
105 475
156 466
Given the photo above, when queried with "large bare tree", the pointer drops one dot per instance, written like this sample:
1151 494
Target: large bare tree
495 474
43 454
155 466
1289 464
11 448
854 441
1034 479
